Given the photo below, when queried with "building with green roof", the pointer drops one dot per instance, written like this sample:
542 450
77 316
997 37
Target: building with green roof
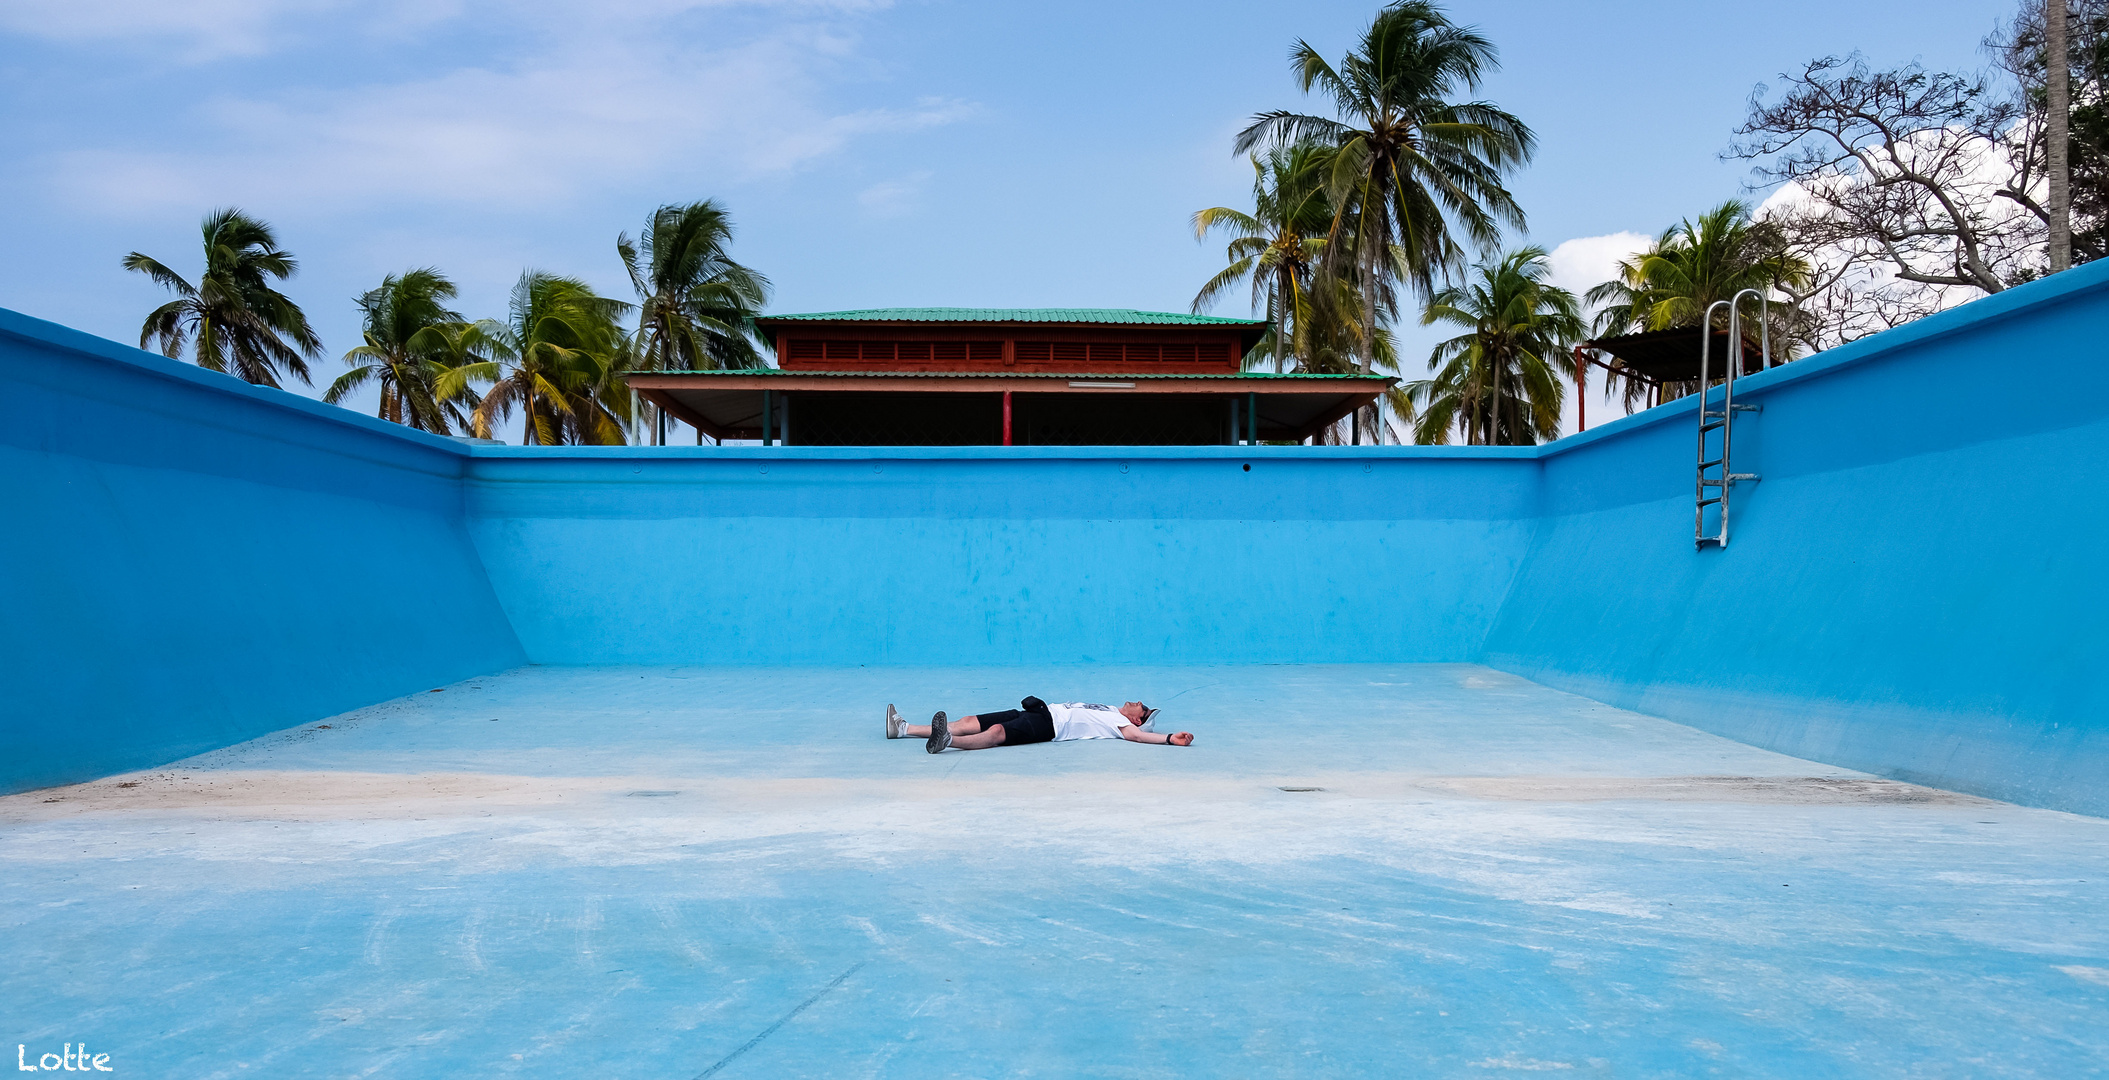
1007 376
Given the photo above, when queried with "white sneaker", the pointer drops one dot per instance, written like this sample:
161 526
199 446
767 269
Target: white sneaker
894 724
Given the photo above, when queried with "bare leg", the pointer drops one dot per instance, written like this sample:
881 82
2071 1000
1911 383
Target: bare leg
992 737
965 725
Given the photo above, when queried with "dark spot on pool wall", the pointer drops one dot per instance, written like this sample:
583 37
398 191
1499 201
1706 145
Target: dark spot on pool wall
1248 466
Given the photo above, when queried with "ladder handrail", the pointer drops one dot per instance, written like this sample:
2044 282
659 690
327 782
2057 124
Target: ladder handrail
1734 364
1735 313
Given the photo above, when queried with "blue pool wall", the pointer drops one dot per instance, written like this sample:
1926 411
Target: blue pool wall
993 556
1913 589
1917 585
190 561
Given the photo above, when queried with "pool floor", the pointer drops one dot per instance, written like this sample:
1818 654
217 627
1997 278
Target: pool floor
689 872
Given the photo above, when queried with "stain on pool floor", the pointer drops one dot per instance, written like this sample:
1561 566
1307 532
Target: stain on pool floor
1435 870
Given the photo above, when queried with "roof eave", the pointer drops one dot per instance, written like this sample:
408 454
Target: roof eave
1241 325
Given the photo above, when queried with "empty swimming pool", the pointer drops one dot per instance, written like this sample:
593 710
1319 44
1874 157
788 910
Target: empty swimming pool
1495 771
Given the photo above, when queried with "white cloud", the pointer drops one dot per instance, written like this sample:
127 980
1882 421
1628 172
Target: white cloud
1788 196
1578 265
1583 263
582 113
205 30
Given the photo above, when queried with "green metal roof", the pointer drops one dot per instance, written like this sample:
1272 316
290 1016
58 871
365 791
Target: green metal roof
1122 376
1119 316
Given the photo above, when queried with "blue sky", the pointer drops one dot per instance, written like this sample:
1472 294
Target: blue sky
921 152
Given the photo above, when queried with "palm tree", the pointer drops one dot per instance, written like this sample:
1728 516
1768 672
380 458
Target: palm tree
1332 338
1691 266
1411 168
236 318
697 305
1500 382
560 358
411 340
1277 246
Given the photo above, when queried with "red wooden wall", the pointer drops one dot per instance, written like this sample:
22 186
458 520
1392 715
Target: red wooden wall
1138 350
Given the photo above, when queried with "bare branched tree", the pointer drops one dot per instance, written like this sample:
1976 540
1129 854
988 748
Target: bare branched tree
1909 190
1928 167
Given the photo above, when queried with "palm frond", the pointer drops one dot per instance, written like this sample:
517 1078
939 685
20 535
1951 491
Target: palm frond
161 275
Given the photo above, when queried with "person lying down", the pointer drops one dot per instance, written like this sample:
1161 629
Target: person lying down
1035 721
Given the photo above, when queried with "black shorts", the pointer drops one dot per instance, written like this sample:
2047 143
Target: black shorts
1020 727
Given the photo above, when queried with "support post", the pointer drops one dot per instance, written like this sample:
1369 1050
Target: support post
768 414
1006 417
1252 418
1581 391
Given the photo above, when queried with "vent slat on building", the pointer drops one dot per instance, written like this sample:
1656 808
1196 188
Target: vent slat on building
1061 355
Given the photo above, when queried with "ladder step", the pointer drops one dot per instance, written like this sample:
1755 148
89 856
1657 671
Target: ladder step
1712 426
1704 482
1711 464
1708 502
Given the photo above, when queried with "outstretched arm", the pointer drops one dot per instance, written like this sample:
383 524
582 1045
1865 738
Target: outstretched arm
1177 738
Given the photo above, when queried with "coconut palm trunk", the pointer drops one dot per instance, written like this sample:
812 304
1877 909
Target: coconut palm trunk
1282 293
2057 134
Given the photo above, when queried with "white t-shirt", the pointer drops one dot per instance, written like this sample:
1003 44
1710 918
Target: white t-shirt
1077 720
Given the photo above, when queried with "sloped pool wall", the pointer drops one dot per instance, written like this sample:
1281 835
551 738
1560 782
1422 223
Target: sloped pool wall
1915 588
189 561
1918 586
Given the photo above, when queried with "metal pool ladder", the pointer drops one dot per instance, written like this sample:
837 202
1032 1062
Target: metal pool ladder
1723 418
